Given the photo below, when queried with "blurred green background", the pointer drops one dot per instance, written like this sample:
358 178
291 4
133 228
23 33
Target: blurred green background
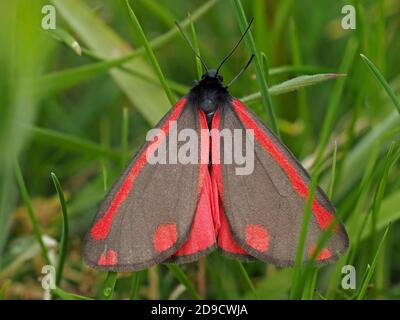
69 106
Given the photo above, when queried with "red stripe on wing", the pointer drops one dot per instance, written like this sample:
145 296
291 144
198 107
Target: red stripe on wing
225 237
323 216
202 234
204 148
215 150
102 227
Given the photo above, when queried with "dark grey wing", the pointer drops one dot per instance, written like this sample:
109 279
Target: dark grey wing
265 208
147 215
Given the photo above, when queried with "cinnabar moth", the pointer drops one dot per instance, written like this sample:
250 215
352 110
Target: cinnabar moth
179 212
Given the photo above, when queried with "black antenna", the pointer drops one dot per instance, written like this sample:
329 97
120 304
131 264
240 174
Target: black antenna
191 46
241 72
237 44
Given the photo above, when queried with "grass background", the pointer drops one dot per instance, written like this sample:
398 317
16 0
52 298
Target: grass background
76 102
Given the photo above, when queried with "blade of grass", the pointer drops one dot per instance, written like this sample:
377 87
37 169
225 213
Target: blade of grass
333 105
58 81
260 24
333 172
260 75
301 96
196 46
135 284
294 84
109 285
65 141
161 11
182 277
150 53
64 230
298 69
124 136
383 82
364 286
32 216
68 296
391 158
265 65
246 278
104 174
381 37
62 35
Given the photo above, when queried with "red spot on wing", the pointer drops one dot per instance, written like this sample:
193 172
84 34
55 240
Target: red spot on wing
257 237
102 227
324 217
165 236
322 255
108 259
225 238
102 260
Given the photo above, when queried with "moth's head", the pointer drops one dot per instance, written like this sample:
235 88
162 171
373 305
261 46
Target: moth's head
212 77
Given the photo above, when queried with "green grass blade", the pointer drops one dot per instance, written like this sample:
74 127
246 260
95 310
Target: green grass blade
295 69
333 172
383 82
104 173
294 84
135 284
109 285
62 35
260 74
59 81
195 41
68 296
183 278
260 24
124 136
334 102
246 278
32 216
161 11
265 65
391 158
64 230
150 54
371 270
68 142
310 285
304 112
